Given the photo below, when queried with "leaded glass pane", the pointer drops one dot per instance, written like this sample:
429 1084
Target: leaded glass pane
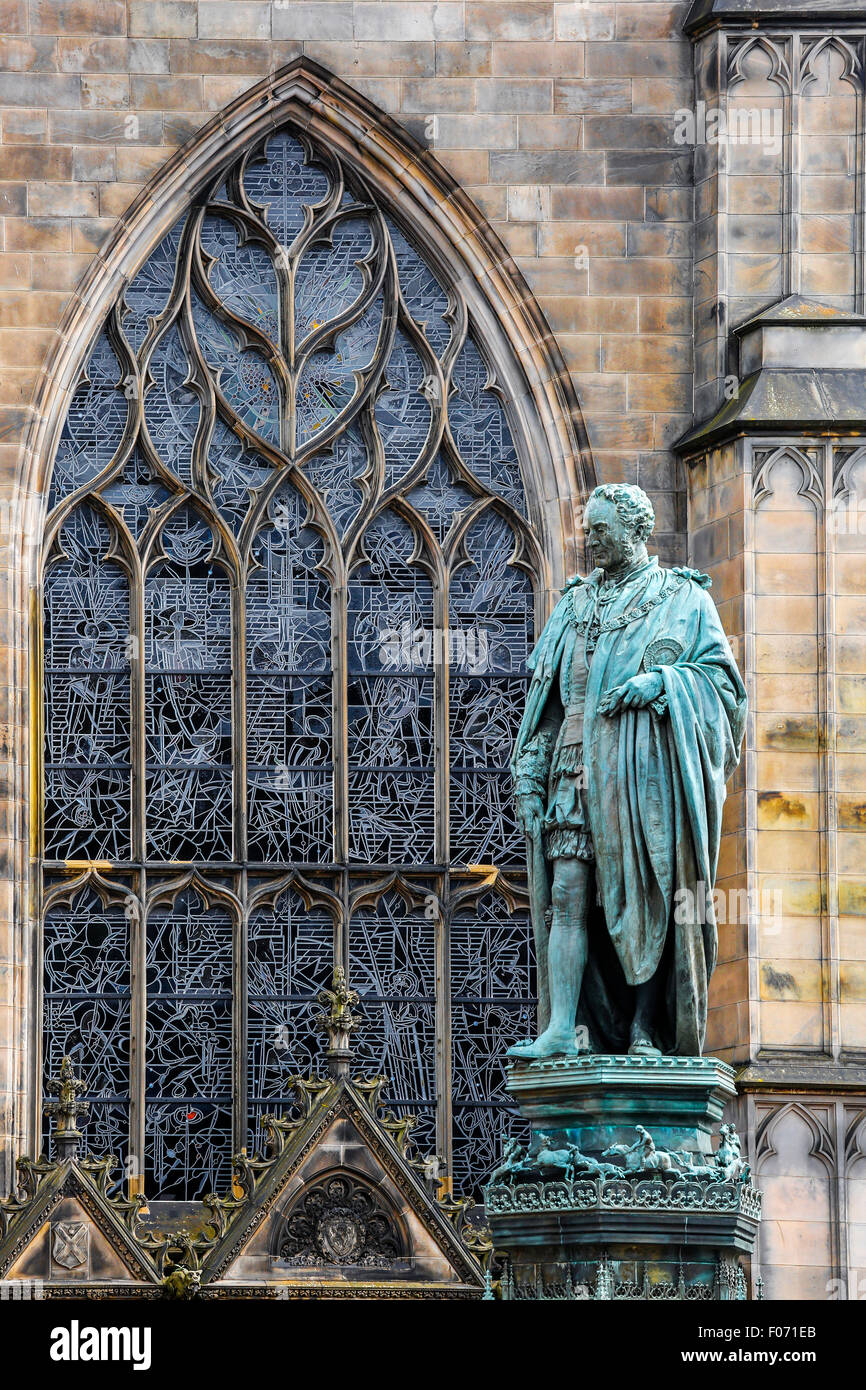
94 425
289 729
242 276
188 693
87 695
336 473
297 697
440 497
329 280
86 1009
188 1044
491 617
242 374
493 1005
147 295
171 409
236 472
329 380
480 429
136 493
390 701
188 1147
423 296
403 413
290 952
283 185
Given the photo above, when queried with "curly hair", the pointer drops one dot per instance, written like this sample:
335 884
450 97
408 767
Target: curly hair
632 505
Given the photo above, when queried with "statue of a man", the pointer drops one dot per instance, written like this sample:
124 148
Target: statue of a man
633 725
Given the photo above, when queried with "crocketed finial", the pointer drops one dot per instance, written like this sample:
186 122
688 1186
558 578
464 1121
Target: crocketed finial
338 1022
66 1108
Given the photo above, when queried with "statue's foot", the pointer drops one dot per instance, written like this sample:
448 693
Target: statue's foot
641 1044
548 1045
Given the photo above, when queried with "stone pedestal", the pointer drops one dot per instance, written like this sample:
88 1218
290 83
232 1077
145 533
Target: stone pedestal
627 1189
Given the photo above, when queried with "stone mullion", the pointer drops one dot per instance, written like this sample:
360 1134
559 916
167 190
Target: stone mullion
721 366
860 181
340 721
240 1009
442 855
340 759
37 815
444 1068
750 757
828 730
441 696
137 928
791 176
138 1026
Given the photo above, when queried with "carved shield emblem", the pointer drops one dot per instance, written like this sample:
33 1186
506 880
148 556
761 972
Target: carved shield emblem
340 1237
69 1241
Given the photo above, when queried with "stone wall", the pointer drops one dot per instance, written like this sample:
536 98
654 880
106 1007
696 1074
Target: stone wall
564 123
557 118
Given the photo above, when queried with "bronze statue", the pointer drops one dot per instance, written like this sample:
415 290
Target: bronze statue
633 725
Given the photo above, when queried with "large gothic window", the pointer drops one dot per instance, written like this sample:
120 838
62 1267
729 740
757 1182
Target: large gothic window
289 591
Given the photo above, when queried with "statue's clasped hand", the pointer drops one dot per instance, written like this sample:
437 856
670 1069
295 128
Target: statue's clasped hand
530 811
634 693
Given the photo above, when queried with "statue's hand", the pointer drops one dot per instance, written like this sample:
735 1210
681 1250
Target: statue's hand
634 693
530 813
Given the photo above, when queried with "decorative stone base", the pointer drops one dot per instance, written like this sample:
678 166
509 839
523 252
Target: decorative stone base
621 1192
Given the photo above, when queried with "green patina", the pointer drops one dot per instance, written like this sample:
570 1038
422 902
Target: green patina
633 725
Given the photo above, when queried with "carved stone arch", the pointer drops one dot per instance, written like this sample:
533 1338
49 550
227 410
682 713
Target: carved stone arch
529 368
846 462
850 53
773 49
811 478
523 364
855 1139
341 1218
822 1143
514 895
209 894
309 892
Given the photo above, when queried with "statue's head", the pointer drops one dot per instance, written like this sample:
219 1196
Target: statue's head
617 521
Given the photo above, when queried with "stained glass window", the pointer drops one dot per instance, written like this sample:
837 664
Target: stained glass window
289 593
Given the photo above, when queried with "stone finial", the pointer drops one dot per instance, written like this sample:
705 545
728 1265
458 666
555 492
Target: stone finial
66 1108
338 1022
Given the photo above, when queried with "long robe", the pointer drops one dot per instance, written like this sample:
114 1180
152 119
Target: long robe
655 788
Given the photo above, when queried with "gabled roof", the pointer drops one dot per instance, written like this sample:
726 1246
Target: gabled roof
72 1187
337 1206
340 1132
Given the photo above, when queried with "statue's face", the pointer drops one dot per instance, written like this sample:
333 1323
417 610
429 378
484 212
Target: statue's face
610 540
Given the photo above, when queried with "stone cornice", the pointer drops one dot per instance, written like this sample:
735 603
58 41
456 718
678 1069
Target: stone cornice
749 14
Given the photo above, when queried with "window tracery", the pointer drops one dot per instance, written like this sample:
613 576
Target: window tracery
289 592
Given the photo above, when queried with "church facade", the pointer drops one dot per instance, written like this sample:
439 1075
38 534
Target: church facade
320 322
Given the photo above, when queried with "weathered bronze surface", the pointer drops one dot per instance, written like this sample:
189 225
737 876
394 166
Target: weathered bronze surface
633 725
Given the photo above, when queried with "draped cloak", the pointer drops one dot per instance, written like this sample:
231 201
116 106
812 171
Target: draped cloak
655 788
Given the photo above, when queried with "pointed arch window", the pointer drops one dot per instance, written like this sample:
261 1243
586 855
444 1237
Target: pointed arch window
289 589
